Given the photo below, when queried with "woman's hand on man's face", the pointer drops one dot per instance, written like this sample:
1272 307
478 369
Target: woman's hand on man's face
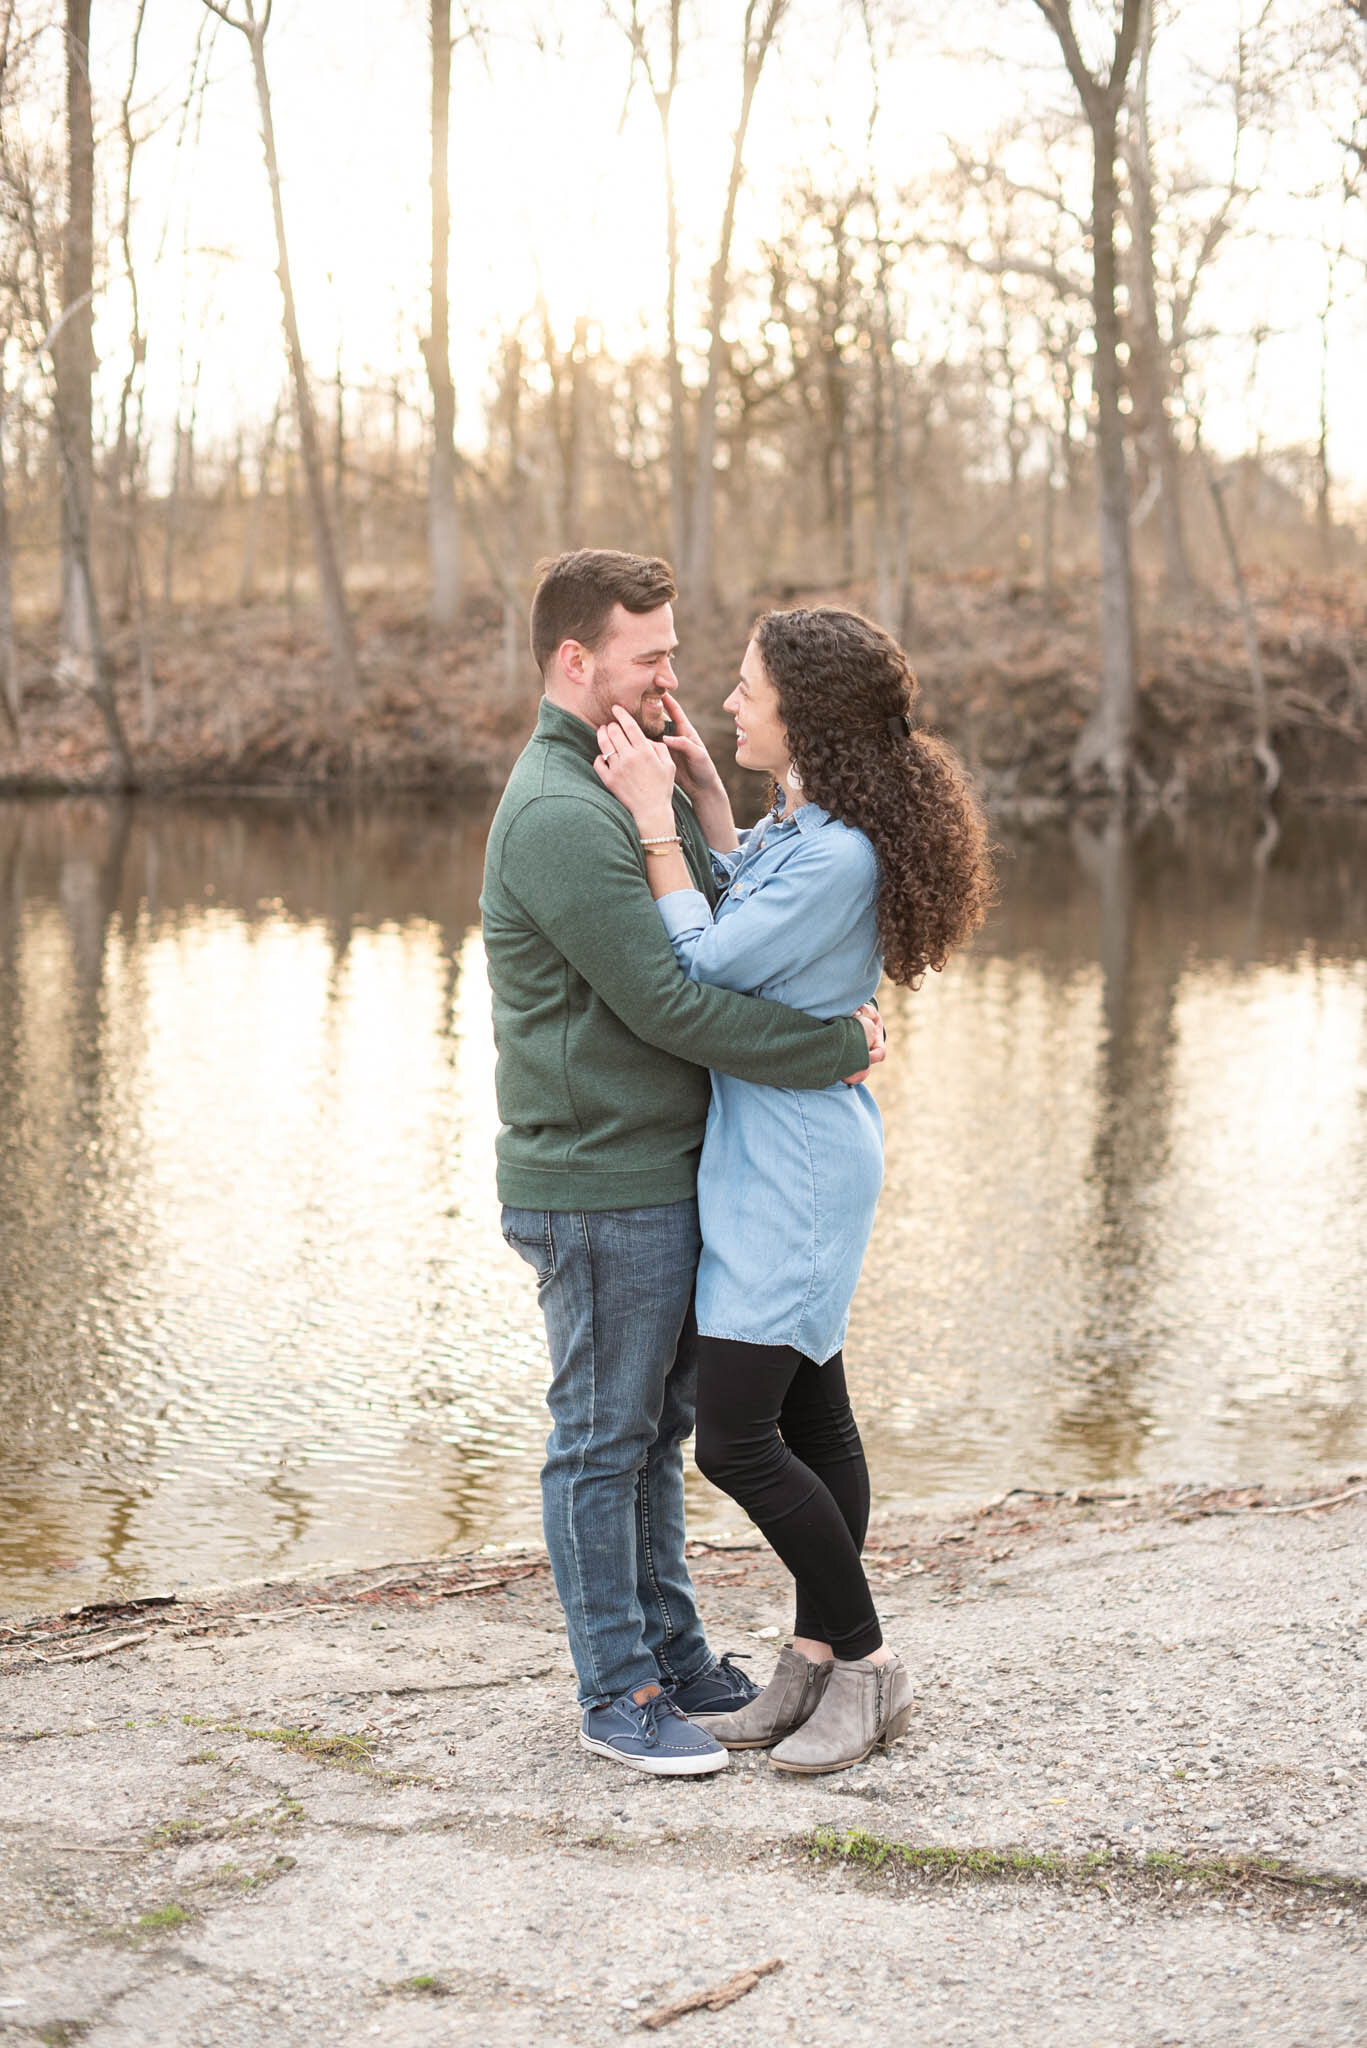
638 771
697 770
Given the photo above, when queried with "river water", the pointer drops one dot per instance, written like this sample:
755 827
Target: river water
255 1313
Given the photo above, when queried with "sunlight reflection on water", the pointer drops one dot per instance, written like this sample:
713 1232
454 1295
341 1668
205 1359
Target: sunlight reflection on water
255 1312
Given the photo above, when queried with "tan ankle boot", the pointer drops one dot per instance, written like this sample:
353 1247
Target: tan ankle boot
862 1706
791 1695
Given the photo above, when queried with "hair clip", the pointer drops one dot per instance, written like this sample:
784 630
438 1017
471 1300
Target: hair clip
900 726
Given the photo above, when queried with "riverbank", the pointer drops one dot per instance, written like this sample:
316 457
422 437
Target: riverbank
351 1807
239 697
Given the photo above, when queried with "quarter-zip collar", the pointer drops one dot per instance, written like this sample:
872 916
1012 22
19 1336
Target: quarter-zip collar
566 727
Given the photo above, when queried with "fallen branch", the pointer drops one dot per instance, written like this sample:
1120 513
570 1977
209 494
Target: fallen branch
1303 1507
1312 712
1186 1511
121 1610
231 1619
94 1849
96 1650
522 1571
722 1994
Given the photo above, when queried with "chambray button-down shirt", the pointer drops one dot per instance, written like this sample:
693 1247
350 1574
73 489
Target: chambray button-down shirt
789 1178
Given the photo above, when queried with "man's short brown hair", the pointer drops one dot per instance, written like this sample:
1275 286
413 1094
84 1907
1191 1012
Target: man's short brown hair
576 593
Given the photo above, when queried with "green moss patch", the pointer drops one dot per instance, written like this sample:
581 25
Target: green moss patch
1172 1876
349 1752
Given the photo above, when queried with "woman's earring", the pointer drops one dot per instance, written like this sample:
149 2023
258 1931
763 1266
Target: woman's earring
793 779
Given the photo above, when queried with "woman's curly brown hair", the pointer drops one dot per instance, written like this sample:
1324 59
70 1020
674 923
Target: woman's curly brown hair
844 689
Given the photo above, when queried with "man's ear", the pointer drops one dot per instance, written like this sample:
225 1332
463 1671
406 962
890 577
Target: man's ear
576 663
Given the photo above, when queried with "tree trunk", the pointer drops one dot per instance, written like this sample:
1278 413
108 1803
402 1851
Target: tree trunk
345 675
1105 747
9 653
663 96
168 557
1324 516
678 440
443 520
1263 752
339 468
1106 742
899 617
1148 355
101 682
701 577
74 349
246 589
577 476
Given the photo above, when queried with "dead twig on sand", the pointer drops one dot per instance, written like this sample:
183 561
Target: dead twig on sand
722 1994
95 1650
1303 1507
522 1571
1187 1511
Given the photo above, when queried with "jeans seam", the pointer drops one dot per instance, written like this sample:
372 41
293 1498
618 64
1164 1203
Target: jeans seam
648 1553
586 1634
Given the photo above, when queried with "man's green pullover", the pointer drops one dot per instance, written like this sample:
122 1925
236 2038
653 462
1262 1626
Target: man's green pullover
603 1043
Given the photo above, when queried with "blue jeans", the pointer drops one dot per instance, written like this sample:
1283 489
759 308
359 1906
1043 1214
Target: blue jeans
616 1291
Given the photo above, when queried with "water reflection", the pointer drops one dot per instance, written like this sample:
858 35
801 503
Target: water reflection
1126 1167
255 1312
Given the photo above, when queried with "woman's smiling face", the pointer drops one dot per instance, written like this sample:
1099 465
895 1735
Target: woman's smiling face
761 741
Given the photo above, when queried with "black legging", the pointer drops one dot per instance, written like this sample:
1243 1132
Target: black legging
775 1431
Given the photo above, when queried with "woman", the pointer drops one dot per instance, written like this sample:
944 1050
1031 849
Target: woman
872 858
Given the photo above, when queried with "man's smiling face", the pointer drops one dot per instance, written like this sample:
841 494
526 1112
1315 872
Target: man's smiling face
633 667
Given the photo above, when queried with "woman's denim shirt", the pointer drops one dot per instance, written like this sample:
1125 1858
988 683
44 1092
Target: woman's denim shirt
796 923
789 1178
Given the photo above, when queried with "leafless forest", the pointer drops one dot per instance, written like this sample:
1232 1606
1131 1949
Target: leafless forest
972 403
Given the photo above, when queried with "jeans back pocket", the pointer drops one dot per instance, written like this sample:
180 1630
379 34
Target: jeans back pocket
529 1233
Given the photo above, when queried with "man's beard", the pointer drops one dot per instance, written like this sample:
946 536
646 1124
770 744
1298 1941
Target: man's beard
650 713
652 718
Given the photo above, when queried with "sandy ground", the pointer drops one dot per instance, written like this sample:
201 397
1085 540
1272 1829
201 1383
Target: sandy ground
353 1809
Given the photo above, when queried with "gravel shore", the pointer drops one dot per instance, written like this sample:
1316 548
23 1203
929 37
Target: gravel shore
1130 1809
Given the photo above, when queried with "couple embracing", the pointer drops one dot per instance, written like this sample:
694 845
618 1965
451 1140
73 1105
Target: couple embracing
689 1159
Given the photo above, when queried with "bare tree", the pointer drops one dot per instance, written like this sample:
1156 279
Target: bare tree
1150 355
443 519
26 285
128 444
75 506
700 574
345 673
662 81
1263 754
74 349
1105 747
9 652
894 602
246 589
568 405
1324 513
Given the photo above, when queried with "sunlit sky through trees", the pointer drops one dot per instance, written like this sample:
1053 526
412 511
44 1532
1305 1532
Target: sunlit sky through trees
557 188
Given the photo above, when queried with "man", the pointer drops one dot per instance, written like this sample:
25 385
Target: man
603 1051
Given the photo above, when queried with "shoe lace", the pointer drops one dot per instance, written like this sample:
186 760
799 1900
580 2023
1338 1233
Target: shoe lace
648 1713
